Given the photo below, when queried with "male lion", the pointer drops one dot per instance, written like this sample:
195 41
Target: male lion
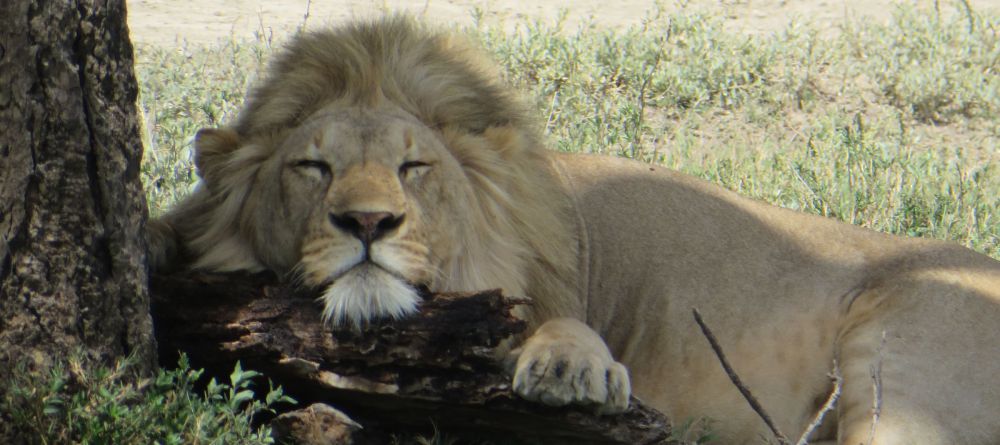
382 156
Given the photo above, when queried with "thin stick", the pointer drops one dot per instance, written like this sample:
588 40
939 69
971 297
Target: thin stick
969 14
637 133
831 402
736 380
876 373
305 17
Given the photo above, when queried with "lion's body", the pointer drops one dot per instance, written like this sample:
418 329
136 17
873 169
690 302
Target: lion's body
785 293
382 156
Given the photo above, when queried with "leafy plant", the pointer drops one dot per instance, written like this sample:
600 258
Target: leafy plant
78 404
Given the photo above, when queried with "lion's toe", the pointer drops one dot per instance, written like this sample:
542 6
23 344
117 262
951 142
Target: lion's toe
619 390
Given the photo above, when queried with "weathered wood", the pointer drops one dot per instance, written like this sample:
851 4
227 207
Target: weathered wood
440 366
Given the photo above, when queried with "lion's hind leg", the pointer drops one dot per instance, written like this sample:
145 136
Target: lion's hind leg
919 364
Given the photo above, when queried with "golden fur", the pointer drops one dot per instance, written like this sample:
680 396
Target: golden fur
381 156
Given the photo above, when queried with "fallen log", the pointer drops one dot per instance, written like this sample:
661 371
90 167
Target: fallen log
437 368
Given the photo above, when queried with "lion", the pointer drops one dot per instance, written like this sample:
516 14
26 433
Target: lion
384 156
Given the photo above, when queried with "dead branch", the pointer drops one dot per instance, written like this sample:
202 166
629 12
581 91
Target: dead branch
831 402
438 367
737 381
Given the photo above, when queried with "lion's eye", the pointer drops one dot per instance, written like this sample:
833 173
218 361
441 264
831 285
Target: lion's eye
312 164
410 166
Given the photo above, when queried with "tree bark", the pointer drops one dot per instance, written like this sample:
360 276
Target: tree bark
440 366
72 209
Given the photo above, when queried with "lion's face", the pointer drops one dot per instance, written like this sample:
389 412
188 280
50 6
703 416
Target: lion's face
369 203
371 194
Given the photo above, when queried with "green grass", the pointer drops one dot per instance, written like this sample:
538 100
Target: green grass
890 127
182 90
886 126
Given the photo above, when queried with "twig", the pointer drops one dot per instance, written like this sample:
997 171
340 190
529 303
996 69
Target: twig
876 373
305 17
969 15
739 383
831 402
796 171
637 131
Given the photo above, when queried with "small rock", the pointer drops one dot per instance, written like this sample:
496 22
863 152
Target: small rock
317 424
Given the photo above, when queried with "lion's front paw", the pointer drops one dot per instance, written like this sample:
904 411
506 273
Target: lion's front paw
563 364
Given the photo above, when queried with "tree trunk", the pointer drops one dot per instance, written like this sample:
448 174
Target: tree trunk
72 209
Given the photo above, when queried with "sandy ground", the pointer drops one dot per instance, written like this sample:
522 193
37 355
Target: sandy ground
167 22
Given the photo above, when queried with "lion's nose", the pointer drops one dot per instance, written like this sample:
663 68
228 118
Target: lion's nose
367 226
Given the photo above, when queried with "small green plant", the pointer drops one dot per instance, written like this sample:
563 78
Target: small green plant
77 404
693 432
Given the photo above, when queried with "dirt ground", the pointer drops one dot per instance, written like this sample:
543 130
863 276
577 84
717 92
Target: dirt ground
169 22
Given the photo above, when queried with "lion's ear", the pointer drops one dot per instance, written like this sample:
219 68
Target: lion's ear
212 146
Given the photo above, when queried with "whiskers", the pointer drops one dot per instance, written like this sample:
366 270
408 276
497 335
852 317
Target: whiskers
406 259
324 261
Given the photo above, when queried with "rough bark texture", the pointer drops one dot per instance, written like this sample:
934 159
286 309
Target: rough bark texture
439 366
72 253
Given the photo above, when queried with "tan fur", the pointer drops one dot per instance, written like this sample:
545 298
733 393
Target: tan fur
393 123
